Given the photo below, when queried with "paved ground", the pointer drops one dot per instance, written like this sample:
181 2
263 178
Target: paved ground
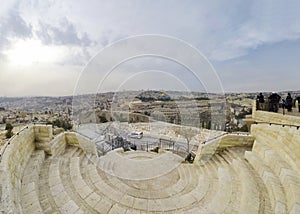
139 165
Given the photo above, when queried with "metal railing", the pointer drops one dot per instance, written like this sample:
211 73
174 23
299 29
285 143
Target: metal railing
278 124
214 138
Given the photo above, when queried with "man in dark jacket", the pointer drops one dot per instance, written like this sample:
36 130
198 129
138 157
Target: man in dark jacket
274 99
289 102
260 101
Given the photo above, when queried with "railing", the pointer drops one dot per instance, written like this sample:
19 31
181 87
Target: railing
273 107
214 138
9 141
278 124
167 144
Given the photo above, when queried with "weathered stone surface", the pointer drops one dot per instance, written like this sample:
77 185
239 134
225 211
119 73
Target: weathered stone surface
82 142
141 182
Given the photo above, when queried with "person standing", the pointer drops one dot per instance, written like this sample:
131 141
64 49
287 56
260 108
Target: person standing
298 99
260 101
289 102
274 99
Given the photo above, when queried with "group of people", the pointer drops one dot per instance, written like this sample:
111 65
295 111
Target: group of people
274 100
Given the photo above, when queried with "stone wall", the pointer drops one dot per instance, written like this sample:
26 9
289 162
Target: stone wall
12 168
43 136
43 133
271 117
58 145
285 140
75 139
206 151
235 140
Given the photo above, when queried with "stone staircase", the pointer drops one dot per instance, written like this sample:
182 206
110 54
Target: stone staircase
259 179
264 178
275 159
30 182
78 183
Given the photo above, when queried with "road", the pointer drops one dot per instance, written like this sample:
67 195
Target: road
96 133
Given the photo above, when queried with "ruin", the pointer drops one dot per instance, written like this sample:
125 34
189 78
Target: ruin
40 173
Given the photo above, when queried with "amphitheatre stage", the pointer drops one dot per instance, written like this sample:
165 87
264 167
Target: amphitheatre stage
42 173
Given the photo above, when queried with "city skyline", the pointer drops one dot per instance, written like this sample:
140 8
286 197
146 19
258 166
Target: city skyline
45 45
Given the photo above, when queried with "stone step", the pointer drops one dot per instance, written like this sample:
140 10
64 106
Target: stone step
62 200
280 144
179 201
150 188
117 209
69 151
31 172
185 180
221 203
190 178
289 178
229 154
212 168
68 172
105 165
250 191
212 182
271 181
224 160
105 204
46 200
94 159
30 181
78 152
225 184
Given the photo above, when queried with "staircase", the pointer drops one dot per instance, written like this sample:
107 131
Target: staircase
78 183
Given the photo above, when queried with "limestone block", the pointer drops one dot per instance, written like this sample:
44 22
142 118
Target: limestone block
281 140
224 194
69 208
82 142
13 164
43 133
274 187
57 131
104 206
250 193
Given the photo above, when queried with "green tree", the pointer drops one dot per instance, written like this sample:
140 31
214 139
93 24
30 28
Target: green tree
61 123
9 128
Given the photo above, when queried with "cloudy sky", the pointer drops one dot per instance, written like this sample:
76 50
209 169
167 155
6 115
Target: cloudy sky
45 45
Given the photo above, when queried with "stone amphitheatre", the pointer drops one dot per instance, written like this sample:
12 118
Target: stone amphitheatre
43 173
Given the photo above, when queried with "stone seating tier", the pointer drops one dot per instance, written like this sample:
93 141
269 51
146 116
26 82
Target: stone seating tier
76 181
77 185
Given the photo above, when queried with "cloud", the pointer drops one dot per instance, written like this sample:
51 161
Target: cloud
13 25
63 34
268 22
223 31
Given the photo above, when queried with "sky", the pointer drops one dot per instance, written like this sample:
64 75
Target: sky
48 46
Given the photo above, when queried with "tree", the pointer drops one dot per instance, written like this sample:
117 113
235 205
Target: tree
9 128
61 123
188 133
102 119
